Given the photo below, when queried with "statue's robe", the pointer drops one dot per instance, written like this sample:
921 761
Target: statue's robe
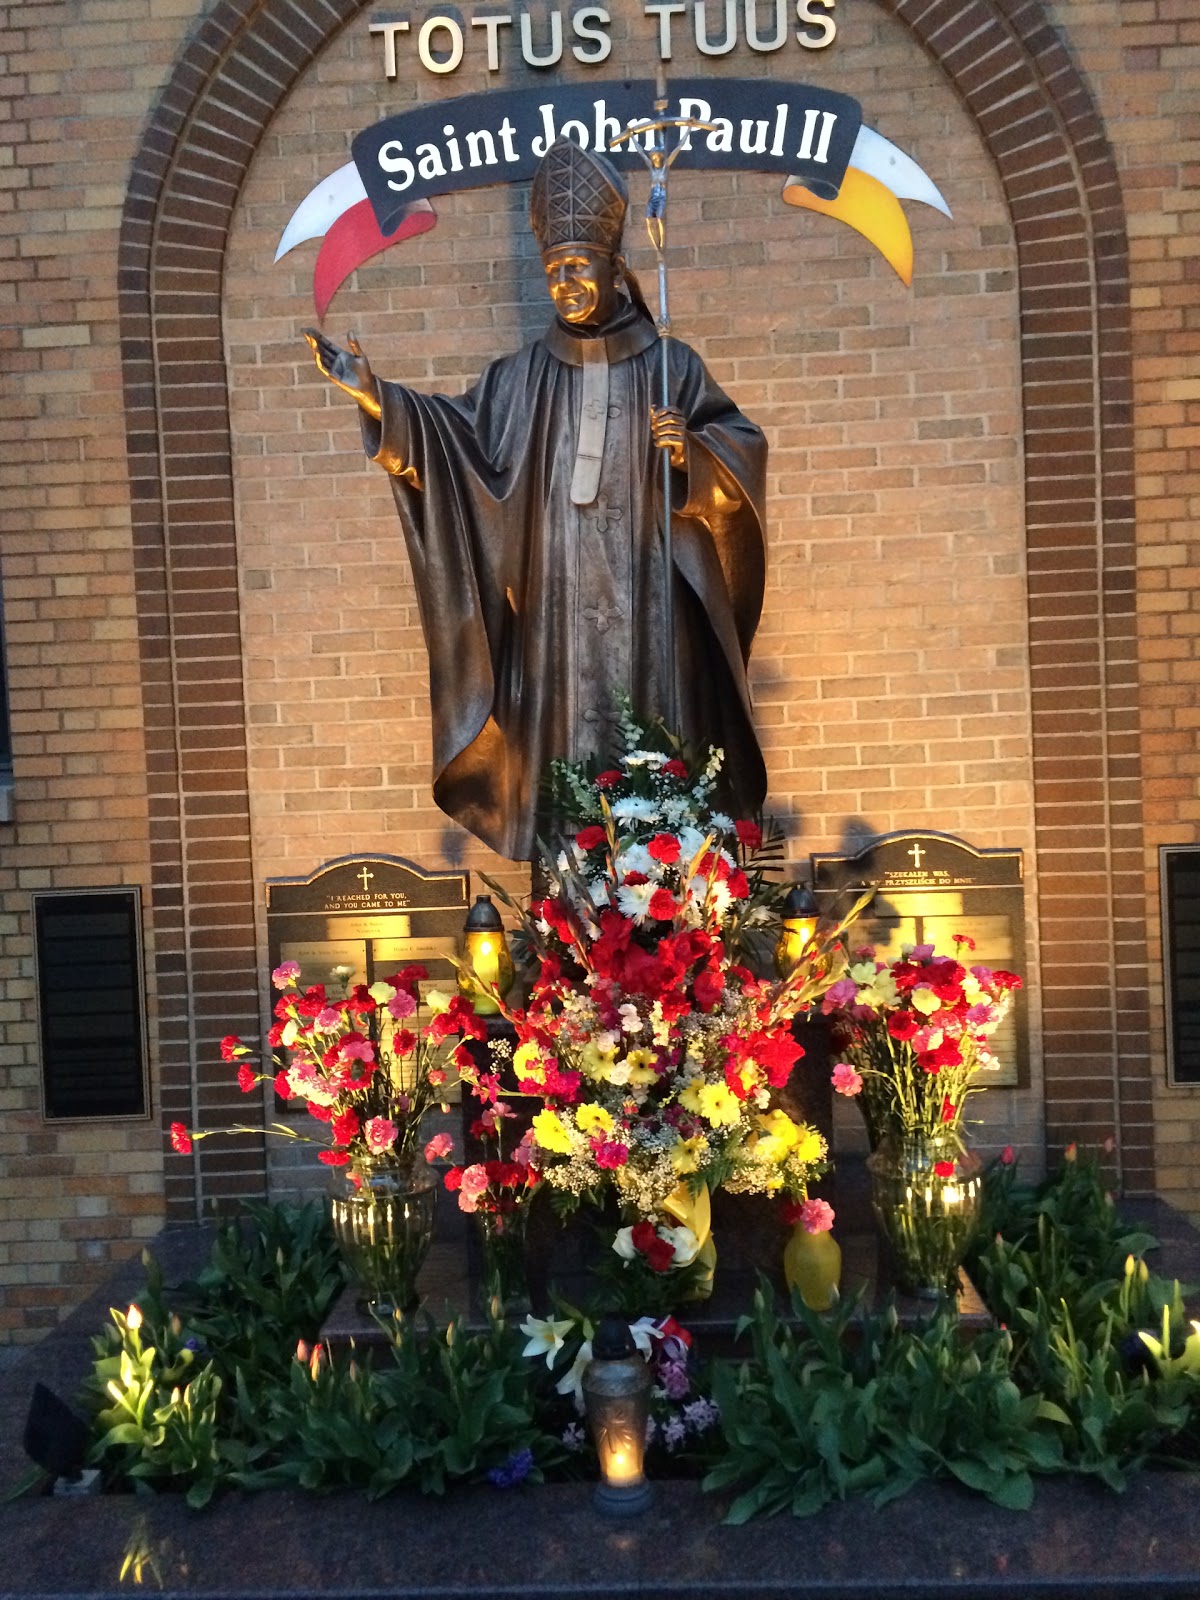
537 610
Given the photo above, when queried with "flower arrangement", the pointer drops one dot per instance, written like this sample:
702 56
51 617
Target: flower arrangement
655 1052
681 1416
358 1065
914 1035
492 1187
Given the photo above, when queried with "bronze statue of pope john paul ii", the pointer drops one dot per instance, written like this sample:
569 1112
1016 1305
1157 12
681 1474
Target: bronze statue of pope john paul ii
532 511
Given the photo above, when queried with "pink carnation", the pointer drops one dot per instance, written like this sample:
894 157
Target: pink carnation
439 1146
286 973
846 1080
401 1005
816 1216
609 1153
475 1180
380 1134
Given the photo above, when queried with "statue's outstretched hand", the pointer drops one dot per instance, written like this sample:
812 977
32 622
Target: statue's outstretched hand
669 432
348 368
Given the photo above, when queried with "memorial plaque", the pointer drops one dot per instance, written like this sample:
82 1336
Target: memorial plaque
1179 867
362 918
930 887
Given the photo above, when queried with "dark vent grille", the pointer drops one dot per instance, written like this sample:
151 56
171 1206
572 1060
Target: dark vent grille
90 1004
1181 944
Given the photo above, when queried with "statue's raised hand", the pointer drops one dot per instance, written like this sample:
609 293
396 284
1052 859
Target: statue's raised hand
348 368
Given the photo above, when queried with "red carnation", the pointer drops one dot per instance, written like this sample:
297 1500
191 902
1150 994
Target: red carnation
453 1179
231 1046
738 884
749 834
608 779
664 847
246 1077
345 1126
322 1113
675 768
902 1025
944 1169
659 1253
948 1109
589 838
404 1042
662 905
282 1087
180 1140
334 1158
708 986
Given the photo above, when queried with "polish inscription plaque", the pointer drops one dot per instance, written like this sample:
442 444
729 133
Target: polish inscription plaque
931 886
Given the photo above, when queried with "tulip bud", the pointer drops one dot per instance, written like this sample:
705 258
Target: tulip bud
301 1351
1143 1272
133 1319
1130 1266
176 1395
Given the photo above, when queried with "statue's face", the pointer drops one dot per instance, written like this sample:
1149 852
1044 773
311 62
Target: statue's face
583 283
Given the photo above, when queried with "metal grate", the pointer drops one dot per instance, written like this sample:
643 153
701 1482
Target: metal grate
89 984
1180 874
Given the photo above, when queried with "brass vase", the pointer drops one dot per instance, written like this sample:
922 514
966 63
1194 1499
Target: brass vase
927 1217
384 1230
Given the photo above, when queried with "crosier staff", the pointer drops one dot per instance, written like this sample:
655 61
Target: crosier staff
659 160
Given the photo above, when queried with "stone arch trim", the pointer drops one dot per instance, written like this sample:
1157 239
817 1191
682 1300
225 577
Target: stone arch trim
1037 118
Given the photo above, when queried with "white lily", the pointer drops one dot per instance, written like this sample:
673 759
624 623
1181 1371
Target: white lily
546 1337
571 1381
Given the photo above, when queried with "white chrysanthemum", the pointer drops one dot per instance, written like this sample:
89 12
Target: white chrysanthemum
633 900
691 842
635 809
645 758
715 895
720 821
636 858
631 1022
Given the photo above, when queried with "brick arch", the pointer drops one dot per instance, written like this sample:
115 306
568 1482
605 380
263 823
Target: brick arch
1037 119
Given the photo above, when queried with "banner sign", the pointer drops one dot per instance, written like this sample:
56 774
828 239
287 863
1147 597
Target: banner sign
805 133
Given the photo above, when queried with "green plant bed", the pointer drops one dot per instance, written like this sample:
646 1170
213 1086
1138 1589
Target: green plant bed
220 1382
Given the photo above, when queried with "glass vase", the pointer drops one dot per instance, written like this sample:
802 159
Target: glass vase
384 1230
927 1217
504 1276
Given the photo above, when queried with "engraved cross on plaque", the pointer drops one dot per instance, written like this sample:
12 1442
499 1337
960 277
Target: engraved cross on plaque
916 853
365 876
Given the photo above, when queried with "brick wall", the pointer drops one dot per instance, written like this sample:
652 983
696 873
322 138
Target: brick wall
202 700
1144 58
72 1197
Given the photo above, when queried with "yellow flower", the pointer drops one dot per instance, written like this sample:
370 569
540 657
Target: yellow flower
925 1001
689 1097
528 1063
550 1133
591 1119
719 1105
778 1125
685 1157
811 1146
595 1061
641 1073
